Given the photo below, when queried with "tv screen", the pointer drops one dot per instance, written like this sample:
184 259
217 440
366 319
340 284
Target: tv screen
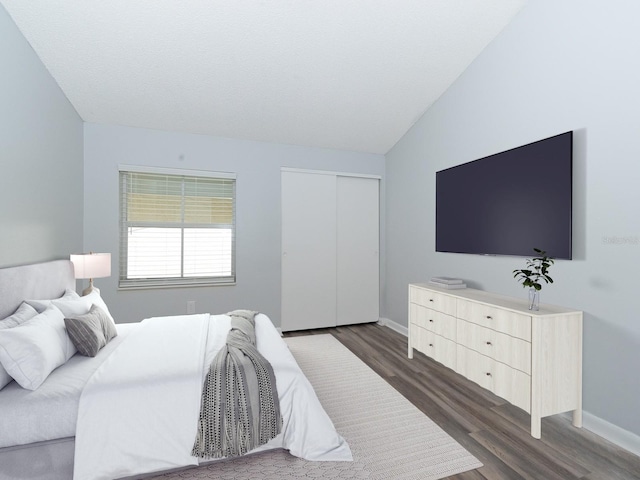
508 203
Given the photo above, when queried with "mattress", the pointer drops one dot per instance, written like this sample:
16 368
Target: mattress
50 412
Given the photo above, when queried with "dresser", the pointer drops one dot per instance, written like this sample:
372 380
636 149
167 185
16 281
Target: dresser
533 359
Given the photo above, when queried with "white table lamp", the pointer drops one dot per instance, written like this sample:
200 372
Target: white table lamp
91 265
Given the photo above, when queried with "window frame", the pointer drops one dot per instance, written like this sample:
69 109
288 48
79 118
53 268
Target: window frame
126 283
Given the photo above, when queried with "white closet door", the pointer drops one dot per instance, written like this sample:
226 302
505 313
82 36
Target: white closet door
358 269
308 251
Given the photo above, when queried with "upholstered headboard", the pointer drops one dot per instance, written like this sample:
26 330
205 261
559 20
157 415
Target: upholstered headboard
38 281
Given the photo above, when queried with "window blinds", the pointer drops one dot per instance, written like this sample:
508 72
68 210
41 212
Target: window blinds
176 229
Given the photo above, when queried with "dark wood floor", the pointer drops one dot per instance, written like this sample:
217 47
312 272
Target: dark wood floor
496 432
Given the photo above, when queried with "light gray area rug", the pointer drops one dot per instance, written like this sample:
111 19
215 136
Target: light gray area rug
389 437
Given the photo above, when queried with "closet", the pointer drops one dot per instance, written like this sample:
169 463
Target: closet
330 249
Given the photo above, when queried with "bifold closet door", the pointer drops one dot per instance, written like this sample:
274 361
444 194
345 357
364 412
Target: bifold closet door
308 251
358 264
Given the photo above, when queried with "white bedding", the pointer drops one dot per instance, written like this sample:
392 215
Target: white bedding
50 411
141 416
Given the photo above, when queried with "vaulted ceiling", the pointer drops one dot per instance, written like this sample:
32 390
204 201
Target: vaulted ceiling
344 74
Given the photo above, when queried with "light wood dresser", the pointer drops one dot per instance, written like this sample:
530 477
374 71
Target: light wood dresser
532 359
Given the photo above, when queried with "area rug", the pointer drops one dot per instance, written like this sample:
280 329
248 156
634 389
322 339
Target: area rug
389 437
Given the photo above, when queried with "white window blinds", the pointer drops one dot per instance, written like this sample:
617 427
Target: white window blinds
176 229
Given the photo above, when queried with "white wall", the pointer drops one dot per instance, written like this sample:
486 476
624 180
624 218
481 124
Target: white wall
40 157
257 166
559 66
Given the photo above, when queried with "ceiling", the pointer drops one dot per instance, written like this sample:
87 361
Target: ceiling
345 74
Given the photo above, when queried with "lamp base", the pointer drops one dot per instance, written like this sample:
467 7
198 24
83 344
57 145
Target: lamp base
90 289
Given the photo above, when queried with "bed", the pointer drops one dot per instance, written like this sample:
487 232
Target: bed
123 414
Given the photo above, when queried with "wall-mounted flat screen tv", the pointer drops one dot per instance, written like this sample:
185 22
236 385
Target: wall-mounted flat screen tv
508 203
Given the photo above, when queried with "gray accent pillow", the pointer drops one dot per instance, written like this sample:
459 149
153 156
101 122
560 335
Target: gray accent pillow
91 331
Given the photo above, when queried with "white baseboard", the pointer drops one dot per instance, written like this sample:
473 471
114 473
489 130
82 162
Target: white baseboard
623 438
387 322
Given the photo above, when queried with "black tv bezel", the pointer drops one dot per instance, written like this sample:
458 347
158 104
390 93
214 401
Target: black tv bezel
507 152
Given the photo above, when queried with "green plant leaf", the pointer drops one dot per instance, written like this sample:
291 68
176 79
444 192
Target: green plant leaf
537 271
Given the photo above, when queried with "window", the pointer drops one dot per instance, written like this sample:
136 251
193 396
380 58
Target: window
176 228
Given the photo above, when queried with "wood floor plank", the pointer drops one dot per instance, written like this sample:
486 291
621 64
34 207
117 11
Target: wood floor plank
493 430
585 447
529 466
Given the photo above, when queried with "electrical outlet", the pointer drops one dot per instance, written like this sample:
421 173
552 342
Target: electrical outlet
191 306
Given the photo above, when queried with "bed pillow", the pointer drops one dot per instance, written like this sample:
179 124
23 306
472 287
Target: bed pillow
22 314
95 298
41 305
71 307
5 378
91 331
69 304
32 350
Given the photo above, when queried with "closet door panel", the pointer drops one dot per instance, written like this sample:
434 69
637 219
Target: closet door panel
308 251
358 225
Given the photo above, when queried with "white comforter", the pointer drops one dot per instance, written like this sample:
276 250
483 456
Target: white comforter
139 411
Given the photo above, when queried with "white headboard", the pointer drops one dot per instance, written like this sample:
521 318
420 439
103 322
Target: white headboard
38 281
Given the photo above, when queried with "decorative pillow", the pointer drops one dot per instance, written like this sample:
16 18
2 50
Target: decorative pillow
32 350
95 298
22 314
41 305
91 331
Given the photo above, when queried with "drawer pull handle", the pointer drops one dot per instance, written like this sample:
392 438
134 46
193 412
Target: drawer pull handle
488 343
431 344
431 320
431 299
488 374
489 317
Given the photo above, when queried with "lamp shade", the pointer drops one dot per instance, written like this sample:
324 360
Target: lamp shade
91 265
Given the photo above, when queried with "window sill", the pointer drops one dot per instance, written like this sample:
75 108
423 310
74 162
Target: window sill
171 286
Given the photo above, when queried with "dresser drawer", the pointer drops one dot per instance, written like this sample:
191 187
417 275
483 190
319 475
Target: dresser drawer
504 321
506 382
434 321
433 300
434 346
504 348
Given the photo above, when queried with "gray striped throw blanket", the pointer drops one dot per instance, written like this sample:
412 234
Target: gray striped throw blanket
240 409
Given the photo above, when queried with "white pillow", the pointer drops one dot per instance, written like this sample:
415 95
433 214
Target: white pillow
41 305
95 298
22 314
73 307
70 304
5 378
32 350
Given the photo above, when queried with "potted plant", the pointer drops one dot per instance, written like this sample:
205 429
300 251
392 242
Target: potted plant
537 271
